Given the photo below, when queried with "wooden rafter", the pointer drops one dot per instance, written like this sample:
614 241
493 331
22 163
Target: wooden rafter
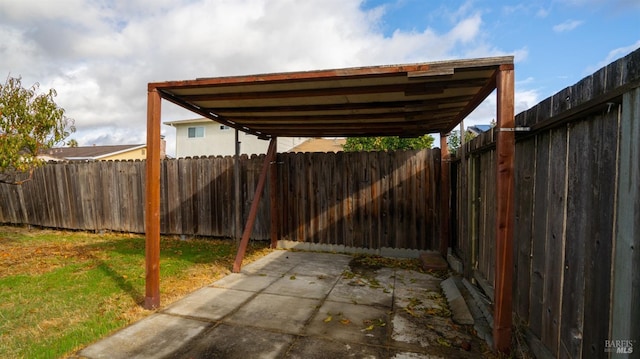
347 101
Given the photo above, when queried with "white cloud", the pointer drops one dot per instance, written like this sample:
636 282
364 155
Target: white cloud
618 5
99 56
528 8
613 55
567 25
543 12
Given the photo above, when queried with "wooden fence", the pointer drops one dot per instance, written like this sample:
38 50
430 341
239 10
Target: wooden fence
364 200
577 211
368 200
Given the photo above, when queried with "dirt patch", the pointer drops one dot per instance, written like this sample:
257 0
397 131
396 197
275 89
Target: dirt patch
34 259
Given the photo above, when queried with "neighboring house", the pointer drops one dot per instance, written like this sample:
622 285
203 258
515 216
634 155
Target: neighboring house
478 129
98 153
320 145
204 137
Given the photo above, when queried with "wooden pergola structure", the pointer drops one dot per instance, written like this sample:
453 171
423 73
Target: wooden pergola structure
406 100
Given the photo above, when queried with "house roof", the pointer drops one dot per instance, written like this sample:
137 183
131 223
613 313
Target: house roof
187 121
88 152
478 129
320 145
405 100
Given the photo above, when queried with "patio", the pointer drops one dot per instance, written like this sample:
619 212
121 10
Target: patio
294 304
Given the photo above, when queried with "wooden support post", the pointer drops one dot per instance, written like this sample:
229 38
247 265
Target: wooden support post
505 216
152 214
274 202
445 195
248 228
237 195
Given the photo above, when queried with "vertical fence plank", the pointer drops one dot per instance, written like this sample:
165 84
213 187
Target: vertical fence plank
525 176
374 200
492 208
341 196
578 208
174 199
140 194
599 244
555 239
540 216
627 227
218 216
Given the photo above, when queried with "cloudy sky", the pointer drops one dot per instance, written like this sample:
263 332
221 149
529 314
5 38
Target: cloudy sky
99 55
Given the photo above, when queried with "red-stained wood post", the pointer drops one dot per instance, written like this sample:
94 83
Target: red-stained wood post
274 202
505 216
152 205
253 211
445 195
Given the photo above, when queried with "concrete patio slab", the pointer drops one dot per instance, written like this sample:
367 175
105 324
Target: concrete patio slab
242 281
356 289
156 336
301 305
353 323
313 348
321 268
209 303
302 286
276 312
274 264
247 343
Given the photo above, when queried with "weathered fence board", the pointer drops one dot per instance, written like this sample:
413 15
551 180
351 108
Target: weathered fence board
626 278
488 233
368 200
576 184
556 201
578 206
540 216
524 175
598 246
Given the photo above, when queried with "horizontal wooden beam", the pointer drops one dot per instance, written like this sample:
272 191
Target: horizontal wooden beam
333 74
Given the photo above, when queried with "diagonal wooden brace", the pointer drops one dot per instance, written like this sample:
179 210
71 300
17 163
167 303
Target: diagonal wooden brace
248 228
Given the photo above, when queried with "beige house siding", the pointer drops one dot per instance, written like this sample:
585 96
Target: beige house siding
136 154
219 140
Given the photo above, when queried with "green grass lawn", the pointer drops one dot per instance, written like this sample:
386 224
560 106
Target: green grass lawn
60 291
